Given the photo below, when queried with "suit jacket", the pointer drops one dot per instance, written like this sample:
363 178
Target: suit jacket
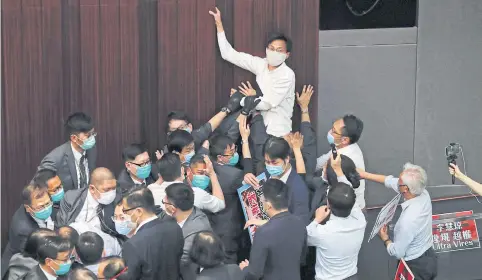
62 161
228 223
126 183
196 222
72 203
299 199
154 252
19 266
224 272
35 274
21 227
278 249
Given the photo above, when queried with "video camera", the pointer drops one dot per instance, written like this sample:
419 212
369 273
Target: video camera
451 152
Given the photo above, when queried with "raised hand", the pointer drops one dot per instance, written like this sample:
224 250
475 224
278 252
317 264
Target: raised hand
216 15
303 100
296 140
247 90
244 129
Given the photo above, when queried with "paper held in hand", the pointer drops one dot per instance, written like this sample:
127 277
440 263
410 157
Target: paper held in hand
385 216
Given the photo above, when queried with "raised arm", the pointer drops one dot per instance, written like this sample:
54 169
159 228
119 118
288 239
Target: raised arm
455 171
246 61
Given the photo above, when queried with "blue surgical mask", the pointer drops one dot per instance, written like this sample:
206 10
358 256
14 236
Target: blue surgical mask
330 138
234 159
44 214
143 171
200 181
63 268
88 143
124 227
274 170
56 197
188 157
187 129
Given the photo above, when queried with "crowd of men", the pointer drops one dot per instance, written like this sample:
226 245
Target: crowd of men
177 215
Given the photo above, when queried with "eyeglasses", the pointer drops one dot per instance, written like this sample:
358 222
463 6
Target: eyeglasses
402 185
127 210
42 207
141 164
271 48
166 203
119 218
334 131
232 150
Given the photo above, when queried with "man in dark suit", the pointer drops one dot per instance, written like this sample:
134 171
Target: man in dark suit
32 215
228 223
55 188
93 205
155 250
279 244
54 259
74 160
179 203
278 166
138 168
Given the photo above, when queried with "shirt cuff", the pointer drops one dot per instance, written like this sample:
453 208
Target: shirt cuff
391 183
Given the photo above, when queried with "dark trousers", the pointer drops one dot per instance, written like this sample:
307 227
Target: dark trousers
425 266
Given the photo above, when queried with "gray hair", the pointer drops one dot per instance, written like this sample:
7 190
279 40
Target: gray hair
414 177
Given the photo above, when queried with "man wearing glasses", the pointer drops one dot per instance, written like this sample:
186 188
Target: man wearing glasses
137 169
412 236
155 249
74 160
32 215
344 134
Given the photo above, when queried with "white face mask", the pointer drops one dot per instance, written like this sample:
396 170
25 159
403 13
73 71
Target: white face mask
107 197
275 58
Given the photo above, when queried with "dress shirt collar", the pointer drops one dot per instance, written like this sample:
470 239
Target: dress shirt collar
45 223
48 275
76 153
284 178
411 201
145 222
181 223
348 148
91 202
137 182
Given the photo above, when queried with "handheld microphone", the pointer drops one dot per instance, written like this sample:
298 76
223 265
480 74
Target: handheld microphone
451 152
333 151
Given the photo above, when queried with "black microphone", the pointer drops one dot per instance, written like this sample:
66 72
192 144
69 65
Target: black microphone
333 151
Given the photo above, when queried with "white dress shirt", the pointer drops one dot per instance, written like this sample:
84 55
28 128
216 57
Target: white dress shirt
88 213
145 222
277 86
48 275
137 182
284 178
413 230
77 157
181 223
45 223
337 243
354 152
202 199
111 245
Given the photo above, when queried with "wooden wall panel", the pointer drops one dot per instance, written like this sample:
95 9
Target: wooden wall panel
127 63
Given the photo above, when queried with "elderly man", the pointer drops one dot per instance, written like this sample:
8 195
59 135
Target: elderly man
413 231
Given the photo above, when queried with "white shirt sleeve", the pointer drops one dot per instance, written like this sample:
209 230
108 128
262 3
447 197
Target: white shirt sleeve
315 233
343 179
392 183
321 161
205 201
277 93
246 61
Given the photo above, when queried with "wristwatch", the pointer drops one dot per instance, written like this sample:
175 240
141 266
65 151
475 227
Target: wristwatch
225 110
304 111
244 142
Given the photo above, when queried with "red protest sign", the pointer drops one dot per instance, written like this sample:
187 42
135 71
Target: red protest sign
403 272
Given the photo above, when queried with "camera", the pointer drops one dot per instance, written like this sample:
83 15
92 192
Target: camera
451 152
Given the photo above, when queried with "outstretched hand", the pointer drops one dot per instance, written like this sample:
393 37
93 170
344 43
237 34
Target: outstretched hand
216 15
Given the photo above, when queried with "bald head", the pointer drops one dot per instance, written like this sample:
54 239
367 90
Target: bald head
101 174
111 267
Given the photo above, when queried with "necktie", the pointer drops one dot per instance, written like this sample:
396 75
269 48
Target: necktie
83 176
103 226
